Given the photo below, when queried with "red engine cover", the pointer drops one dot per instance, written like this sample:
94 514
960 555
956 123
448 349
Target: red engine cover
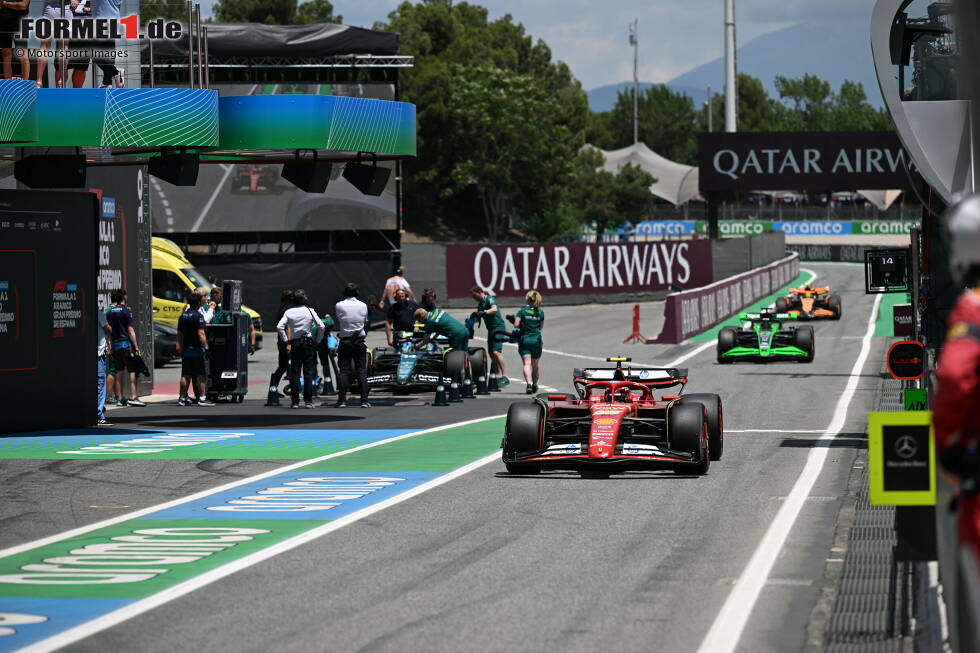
604 431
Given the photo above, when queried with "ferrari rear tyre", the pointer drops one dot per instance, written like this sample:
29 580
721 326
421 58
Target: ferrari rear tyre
834 304
804 339
714 415
454 364
726 340
523 433
686 426
781 305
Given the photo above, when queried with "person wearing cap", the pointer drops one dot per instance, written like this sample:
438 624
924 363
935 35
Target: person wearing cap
286 299
303 326
352 320
956 400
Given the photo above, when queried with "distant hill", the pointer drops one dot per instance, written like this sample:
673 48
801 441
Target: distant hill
604 97
832 51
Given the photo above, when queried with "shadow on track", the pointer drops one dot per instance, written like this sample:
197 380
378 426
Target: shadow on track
271 420
840 441
664 474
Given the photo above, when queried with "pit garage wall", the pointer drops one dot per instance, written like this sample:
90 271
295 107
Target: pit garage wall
323 277
433 264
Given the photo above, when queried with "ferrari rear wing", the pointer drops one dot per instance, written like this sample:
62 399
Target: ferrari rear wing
661 376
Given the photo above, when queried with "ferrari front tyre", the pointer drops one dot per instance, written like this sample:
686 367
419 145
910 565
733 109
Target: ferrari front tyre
685 432
781 305
803 338
727 338
834 304
523 433
454 364
715 417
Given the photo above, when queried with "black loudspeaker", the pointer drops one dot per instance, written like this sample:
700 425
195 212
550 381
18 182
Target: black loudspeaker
177 169
370 180
309 175
51 171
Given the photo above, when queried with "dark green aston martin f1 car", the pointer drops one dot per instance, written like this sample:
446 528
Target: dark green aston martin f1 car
766 336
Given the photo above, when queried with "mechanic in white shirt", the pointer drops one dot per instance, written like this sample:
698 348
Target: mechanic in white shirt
352 320
301 345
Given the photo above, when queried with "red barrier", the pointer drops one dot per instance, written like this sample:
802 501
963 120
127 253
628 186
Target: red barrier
690 312
635 336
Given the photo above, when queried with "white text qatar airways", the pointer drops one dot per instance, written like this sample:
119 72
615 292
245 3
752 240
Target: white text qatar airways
520 268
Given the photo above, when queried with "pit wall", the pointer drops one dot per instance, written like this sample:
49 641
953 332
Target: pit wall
451 269
691 312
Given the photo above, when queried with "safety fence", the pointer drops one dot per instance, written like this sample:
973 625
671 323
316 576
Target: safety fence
690 312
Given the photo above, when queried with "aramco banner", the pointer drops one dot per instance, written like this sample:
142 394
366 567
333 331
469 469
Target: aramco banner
817 161
577 268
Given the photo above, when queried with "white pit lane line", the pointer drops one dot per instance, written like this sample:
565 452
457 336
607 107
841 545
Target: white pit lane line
727 628
139 607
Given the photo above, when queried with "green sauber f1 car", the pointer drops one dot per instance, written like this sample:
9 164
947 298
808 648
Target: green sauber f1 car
766 336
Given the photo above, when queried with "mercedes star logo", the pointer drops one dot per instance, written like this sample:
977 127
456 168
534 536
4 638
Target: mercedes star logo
906 446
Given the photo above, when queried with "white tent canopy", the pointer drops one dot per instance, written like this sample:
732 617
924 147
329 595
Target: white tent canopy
675 182
881 198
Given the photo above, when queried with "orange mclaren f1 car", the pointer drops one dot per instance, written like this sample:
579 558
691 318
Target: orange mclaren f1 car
810 303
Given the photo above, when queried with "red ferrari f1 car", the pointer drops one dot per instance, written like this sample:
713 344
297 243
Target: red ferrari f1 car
616 423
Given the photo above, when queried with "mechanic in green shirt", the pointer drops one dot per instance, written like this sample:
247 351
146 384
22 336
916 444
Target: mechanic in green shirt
530 321
441 323
489 312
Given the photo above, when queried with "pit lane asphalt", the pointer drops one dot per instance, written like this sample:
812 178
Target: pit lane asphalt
490 562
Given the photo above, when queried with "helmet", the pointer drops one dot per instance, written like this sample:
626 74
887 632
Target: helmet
963 220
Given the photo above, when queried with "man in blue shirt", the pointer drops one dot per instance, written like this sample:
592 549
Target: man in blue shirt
124 348
192 343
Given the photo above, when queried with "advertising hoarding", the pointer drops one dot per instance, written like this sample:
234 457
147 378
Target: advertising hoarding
577 268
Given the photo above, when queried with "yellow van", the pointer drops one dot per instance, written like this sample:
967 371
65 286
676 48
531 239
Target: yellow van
173 277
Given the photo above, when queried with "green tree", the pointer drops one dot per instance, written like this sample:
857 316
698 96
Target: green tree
457 50
600 196
317 11
166 9
516 150
668 123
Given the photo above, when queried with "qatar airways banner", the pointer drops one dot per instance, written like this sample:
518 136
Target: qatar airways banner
690 312
577 268
821 161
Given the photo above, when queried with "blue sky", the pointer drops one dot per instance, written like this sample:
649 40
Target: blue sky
675 36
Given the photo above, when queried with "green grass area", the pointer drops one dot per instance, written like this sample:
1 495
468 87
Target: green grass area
805 276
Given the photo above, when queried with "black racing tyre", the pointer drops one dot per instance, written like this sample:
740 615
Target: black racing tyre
478 363
781 305
523 433
804 339
726 340
685 423
834 303
453 365
715 417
